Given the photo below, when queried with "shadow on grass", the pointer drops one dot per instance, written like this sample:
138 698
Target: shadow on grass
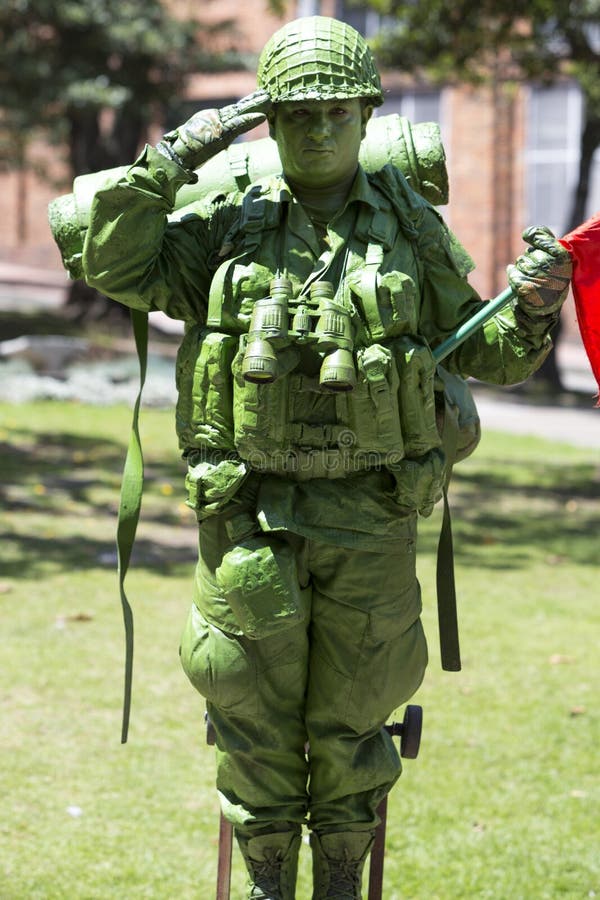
60 493
507 514
33 555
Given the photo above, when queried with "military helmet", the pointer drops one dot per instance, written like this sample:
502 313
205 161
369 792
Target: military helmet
318 58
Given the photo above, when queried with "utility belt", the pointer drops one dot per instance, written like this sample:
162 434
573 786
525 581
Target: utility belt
304 465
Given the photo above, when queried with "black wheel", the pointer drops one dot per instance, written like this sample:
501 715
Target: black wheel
411 732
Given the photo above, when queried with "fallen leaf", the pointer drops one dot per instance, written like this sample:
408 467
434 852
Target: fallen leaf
577 710
61 621
557 659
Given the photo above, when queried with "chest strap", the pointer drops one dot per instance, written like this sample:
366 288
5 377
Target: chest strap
254 220
368 291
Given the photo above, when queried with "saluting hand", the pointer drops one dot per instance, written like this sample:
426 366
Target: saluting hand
211 130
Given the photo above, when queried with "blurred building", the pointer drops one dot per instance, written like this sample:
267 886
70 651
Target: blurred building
512 156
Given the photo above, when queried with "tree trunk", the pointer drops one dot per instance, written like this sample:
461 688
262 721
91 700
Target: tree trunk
590 141
92 150
548 375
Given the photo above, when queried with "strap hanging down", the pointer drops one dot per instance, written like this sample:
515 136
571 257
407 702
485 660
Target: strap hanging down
445 581
446 594
129 508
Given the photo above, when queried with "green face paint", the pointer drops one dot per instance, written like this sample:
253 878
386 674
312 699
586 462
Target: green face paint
319 141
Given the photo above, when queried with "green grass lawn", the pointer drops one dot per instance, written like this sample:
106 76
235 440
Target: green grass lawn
504 799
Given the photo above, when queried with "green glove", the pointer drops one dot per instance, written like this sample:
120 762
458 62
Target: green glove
212 130
540 278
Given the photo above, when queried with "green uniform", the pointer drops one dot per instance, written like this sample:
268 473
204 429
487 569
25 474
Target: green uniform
321 488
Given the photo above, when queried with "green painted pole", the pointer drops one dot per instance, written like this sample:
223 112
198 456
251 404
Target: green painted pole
487 312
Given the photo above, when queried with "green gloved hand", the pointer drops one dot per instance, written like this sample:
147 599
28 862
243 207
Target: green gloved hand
212 130
540 278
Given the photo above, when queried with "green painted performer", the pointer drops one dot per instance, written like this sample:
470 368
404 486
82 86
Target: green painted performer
307 417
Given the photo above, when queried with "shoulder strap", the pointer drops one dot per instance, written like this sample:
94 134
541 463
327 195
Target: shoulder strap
257 214
409 208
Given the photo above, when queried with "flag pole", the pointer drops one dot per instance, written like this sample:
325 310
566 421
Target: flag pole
487 312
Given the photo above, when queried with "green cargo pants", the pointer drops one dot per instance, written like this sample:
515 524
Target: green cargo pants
327 683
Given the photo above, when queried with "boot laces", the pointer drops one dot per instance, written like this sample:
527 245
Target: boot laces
344 879
266 875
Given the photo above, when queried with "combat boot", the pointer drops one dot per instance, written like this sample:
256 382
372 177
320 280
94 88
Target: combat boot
338 861
272 863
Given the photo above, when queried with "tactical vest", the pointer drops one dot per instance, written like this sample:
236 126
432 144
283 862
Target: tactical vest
294 426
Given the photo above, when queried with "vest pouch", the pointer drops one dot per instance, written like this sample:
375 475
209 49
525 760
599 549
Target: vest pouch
203 415
457 416
416 369
419 482
259 580
211 486
386 303
372 407
396 295
260 411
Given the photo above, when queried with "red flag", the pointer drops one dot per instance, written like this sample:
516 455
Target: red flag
583 243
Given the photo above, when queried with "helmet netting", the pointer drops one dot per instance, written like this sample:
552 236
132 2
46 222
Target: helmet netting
318 58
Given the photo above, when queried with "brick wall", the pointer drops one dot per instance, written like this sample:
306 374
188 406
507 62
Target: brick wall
486 178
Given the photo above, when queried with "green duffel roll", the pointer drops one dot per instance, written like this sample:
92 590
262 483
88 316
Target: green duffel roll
416 150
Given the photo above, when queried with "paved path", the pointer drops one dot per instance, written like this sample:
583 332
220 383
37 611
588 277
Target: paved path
576 423
577 426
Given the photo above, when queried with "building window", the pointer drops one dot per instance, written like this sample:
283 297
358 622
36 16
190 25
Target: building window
418 106
366 21
554 126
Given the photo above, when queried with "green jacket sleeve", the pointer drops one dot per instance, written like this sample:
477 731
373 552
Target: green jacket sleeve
133 254
507 350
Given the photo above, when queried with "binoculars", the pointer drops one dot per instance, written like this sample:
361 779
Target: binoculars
278 322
